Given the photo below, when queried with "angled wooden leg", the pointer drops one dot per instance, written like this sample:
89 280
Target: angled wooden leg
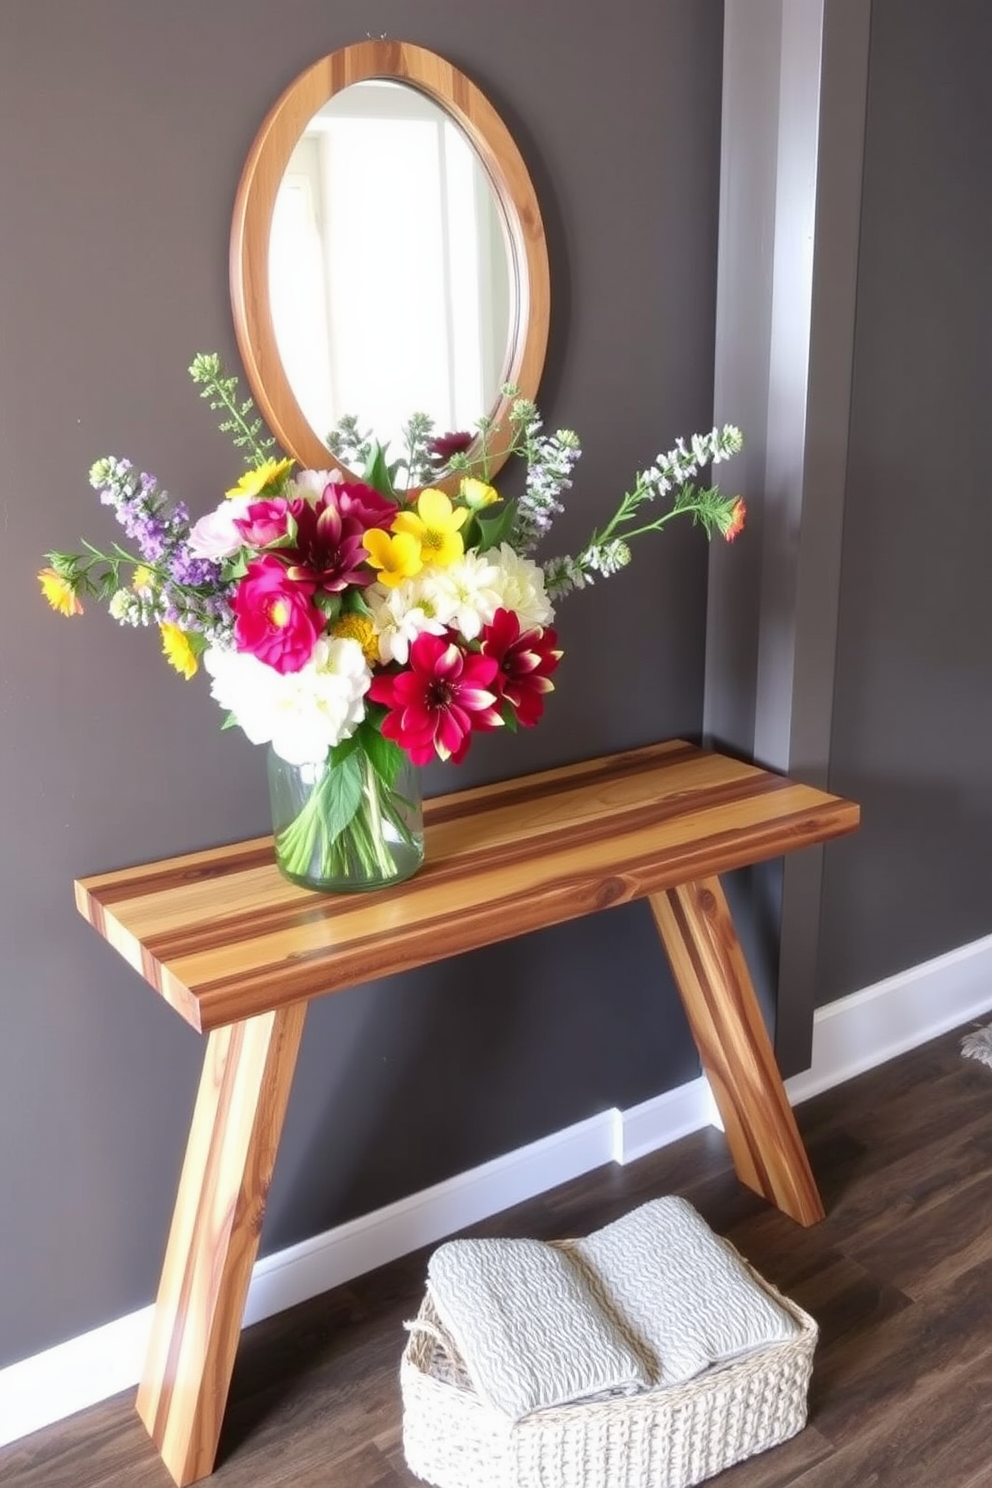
720 1002
244 1089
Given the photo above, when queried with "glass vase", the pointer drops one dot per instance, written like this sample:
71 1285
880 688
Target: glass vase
340 829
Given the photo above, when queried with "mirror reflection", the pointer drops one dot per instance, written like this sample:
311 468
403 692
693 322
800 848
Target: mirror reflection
390 266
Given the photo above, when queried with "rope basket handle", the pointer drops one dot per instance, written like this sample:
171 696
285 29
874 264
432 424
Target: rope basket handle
422 1325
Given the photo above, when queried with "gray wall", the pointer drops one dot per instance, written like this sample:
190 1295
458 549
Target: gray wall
912 723
123 127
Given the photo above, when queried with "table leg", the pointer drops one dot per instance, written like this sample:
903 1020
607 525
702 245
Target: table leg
244 1090
718 995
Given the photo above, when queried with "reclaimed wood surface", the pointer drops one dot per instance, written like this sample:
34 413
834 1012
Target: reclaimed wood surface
222 936
734 1048
233 1141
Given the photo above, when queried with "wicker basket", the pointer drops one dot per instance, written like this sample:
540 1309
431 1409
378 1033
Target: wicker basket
663 1438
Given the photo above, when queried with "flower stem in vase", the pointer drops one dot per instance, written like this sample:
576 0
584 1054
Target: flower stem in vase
340 826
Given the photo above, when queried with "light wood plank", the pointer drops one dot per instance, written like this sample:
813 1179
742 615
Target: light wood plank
718 995
244 1089
222 936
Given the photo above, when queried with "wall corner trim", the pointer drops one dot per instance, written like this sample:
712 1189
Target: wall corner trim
850 1036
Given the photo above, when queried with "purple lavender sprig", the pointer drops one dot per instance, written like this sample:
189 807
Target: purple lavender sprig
179 587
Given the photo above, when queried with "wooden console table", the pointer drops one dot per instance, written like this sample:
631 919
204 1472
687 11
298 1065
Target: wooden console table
239 952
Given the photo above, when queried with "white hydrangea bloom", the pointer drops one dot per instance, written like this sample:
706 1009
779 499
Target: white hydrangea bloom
520 586
302 714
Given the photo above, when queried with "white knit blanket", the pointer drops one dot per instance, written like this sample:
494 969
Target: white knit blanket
651 1300
530 1333
685 1301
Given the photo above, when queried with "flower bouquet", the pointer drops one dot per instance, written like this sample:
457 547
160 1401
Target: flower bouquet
363 627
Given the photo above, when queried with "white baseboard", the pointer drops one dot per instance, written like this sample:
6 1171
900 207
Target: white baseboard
850 1036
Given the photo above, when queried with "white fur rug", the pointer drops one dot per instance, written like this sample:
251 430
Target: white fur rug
978 1045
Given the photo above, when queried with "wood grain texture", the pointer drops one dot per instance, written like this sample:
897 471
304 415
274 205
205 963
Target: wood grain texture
244 1089
718 995
222 936
263 172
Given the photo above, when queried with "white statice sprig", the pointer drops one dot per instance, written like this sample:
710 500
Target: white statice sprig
671 476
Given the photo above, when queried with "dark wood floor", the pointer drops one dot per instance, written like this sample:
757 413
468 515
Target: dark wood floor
899 1277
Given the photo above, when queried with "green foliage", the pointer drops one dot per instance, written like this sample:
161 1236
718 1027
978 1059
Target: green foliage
384 755
495 530
340 792
241 419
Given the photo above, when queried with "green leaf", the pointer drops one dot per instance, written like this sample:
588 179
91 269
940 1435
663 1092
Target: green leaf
385 756
508 716
229 721
328 604
342 751
341 794
377 473
494 530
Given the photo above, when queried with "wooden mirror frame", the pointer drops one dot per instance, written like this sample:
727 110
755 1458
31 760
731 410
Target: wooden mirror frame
255 203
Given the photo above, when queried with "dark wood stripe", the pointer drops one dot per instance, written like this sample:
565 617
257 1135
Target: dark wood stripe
159 878
137 883
530 788
233 928
327 969
184 1312
705 991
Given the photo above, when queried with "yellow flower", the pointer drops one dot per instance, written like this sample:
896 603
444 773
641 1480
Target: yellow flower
476 494
254 482
435 523
178 650
356 627
59 592
397 557
143 580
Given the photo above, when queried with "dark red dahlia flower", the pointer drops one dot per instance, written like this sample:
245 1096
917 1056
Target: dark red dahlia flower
525 660
445 445
328 551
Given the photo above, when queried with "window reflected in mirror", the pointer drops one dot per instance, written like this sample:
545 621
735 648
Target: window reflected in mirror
405 285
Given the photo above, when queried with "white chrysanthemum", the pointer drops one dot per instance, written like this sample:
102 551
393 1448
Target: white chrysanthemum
469 589
520 586
401 614
302 714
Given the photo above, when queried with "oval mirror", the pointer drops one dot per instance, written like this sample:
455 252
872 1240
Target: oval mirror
387 253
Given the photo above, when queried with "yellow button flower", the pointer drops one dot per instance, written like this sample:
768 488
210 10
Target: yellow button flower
254 482
357 627
178 650
396 556
435 524
476 494
59 592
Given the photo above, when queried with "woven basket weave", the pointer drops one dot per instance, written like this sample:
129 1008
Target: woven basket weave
665 1438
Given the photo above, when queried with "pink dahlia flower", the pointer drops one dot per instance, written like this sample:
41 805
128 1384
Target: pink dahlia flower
275 617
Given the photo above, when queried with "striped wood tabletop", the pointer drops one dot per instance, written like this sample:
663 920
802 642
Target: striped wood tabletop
222 936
